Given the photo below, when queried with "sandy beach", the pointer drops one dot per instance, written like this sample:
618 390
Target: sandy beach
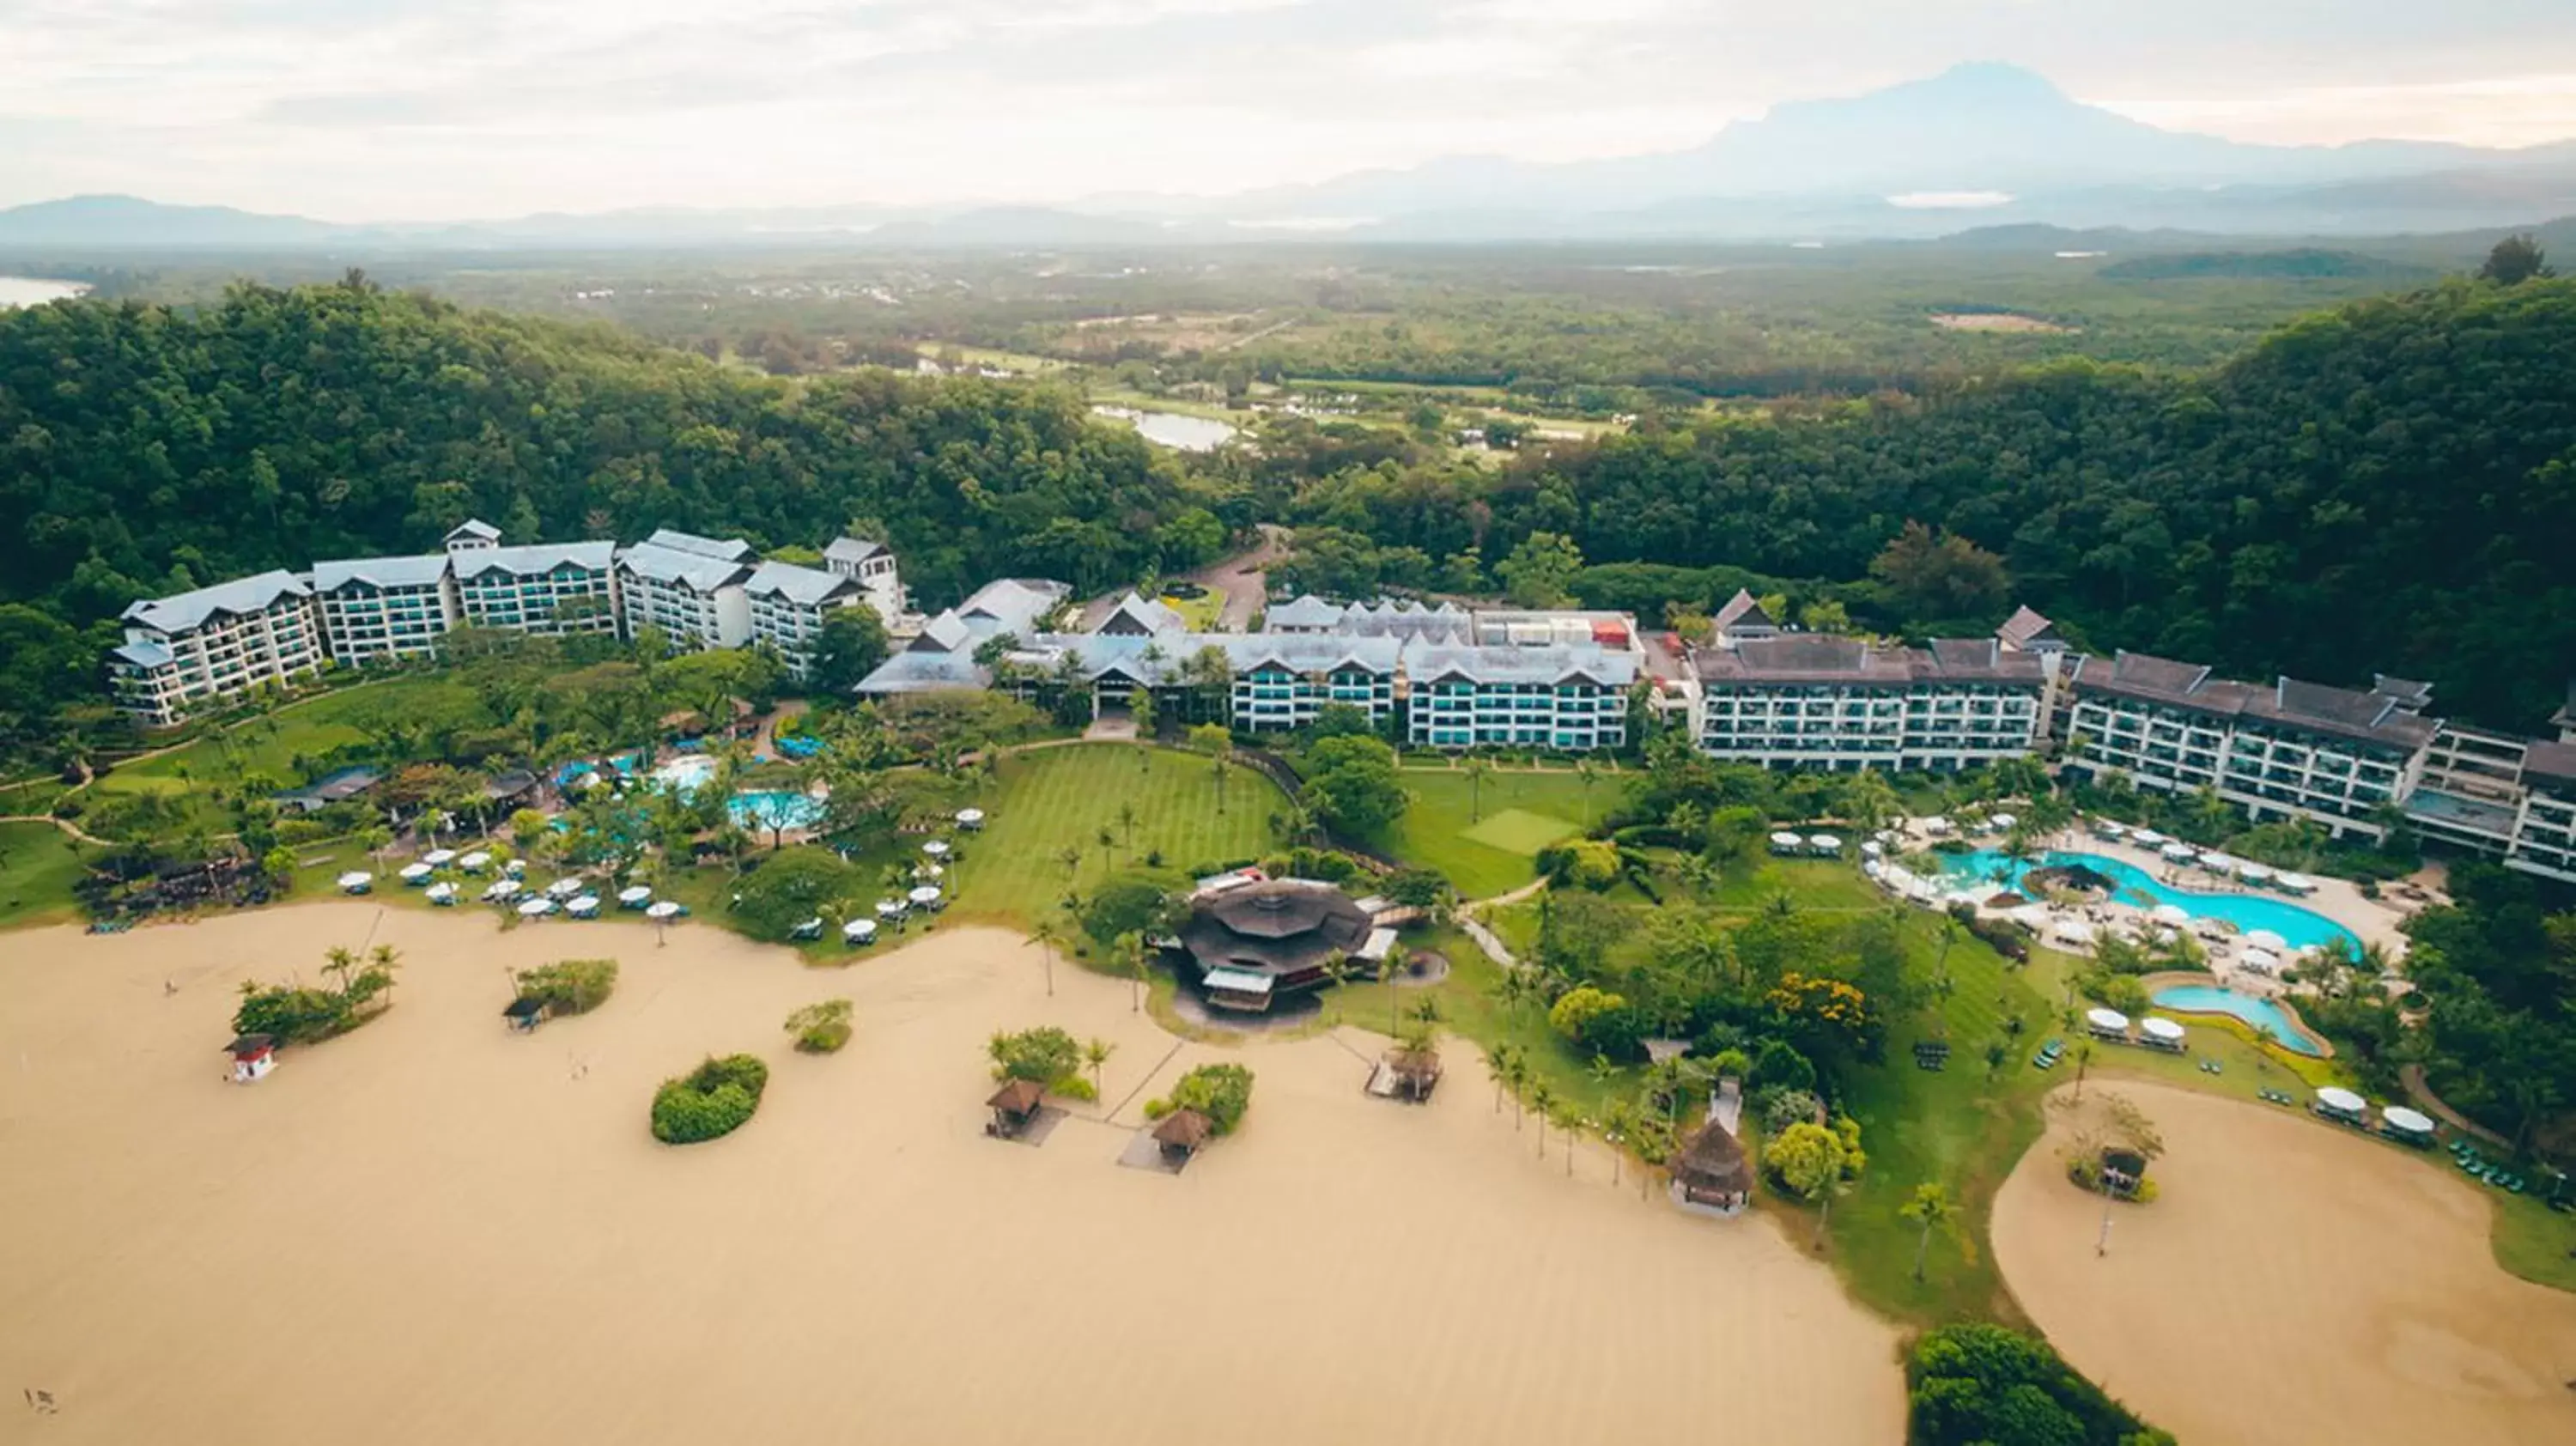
2294 1284
435 1231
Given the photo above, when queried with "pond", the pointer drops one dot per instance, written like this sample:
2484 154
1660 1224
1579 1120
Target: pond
1175 430
36 291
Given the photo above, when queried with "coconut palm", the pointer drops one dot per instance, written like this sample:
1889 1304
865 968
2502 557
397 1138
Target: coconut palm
1543 1104
1070 856
1931 1209
2083 1056
1127 825
1569 1123
1477 767
1519 1078
1586 774
1131 953
1046 936
1503 1062
1618 1123
1095 1053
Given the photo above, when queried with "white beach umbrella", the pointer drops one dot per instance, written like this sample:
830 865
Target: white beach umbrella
583 907
2266 939
441 893
2147 837
475 861
2335 1097
924 896
663 910
2178 852
564 888
2109 1021
2002 821
2296 883
2261 961
413 873
536 908
356 879
2174 915
890 908
970 818
2164 1029
2406 1121
859 931
439 858
635 896
936 848
1786 842
2253 873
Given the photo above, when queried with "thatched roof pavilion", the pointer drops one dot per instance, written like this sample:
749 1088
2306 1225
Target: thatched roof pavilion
1014 1105
1710 1172
1414 1072
1254 941
1183 1132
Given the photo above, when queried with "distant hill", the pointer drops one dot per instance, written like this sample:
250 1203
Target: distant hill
123 221
2302 263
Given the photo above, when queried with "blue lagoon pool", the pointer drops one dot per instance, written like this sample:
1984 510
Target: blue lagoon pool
2302 928
775 809
2262 1015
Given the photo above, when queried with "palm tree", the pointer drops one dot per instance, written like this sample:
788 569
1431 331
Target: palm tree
1045 935
376 838
1931 1209
1569 1123
1520 1077
1096 1052
1618 1122
1070 856
1587 773
1543 1103
1127 824
1387 970
2083 1057
1502 1062
1131 952
1477 767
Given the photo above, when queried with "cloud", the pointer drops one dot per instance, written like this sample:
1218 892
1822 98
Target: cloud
420 109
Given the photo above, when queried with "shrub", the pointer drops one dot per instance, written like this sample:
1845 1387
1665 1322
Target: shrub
1620 1033
714 1099
572 986
791 886
1045 1055
1778 1062
1578 1007
1126 904
821 1028
1983 1383
1782 1108
1222 1092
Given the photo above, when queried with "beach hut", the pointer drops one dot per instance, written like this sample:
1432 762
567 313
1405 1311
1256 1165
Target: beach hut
663 912
1410 1074
2172 916
442 894
254 1055
859 931
809 929
970 819
2161 1034
2400 1123
537 908
927 897
1182 1134
2107 1023
1786 843
2337 1103
1015 1107
1824 845
1710 1174
524 1015
475 862
562 889
2295 883
634 896
585 907
2267 940
357 881
937 848
439 858
416 875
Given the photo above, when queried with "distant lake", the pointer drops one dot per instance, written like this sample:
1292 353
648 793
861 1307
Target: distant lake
1175 430
30 291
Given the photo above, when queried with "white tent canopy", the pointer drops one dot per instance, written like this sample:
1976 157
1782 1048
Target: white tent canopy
2261 961
970 818
890 908
2334 1097
634 894
936 848
1824 843
2148 837
2178 852
436 858
583 907
356 879
924 896
500 891
536 908
2266 939
2173 914
2296 883
1787 841
2164 1029
2253 873
441 893
2408 1121
564 888
475 860
663 910
859 931
416 871
2108 828
2109 1021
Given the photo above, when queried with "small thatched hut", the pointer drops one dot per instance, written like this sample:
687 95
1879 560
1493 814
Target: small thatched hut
1710 1174
1413 1073
1014 1105
1182 1133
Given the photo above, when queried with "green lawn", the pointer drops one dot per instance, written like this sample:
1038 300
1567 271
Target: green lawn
38 866
1048 799
2532 1240
1484 843
1202 613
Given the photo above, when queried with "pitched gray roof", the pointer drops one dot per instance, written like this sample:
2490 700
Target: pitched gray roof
2025 627
2551 760
1431 662
1013 604
1308 611
380 572
851 549
1849 662
240 597
1137 614
144 654
536 559
732 549
798 584
925 672
1742 611
474 527
2288 702
693 570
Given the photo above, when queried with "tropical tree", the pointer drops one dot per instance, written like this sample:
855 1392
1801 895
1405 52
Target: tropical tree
1477 769
1214 740
1618 1124
1046 935
1569 1123
1930 1208
1500 1063
375 838
1095 1053
1543 1104
1586 774
1130 951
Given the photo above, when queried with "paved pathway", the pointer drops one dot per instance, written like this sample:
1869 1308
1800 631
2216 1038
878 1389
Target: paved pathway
1486 939
2412 1076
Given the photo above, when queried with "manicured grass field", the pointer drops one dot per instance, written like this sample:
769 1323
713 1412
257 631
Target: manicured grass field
1049 799
2532 1240
1440 829
1201 613
38 866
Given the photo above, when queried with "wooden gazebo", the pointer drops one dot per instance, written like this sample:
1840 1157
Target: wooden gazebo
1710 1174
1413 1073
1014 1106
1182 1134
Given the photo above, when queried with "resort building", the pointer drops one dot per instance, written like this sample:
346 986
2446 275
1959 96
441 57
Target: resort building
385 607
1568 698
1251 940
2290 750
872 566
689 587
788 604
214 643
472 535
547 589
2028 632
1284 681
2494 794
1814 701
1137 616
1741 619
1401 619
942 654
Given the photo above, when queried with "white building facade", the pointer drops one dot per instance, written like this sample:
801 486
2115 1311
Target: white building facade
181 653
545 589
788 605
1840 705
689 587
385 608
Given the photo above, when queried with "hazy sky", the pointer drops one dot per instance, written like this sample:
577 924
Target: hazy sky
430 109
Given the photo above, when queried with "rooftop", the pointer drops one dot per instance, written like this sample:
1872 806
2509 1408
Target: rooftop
2025 627
380 572
1566 663
2373 717
796 584
1277 927
694 570
240 597
852 549
1740 612
536 559
1823 658
732 549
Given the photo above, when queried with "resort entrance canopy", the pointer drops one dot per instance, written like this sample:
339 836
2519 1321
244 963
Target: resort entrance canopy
1237 988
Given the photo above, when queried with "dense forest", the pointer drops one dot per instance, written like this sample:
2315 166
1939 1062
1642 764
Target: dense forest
2387 487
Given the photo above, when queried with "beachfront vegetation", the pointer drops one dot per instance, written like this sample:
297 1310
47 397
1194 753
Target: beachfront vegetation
792 885
39 864
1222 1092
1352 783
569 986
1045 1056
360 988
713 1100
1983 1385
821 1028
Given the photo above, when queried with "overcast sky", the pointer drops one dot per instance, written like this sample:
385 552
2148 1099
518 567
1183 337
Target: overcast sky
362 110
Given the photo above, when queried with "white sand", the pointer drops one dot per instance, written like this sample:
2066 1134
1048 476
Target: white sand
433 1231
2293 1284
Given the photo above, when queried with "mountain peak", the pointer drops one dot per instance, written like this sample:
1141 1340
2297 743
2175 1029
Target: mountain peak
1991 79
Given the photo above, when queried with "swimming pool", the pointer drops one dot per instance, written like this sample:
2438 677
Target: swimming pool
683 776
2261 1014
775 809
2301 928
